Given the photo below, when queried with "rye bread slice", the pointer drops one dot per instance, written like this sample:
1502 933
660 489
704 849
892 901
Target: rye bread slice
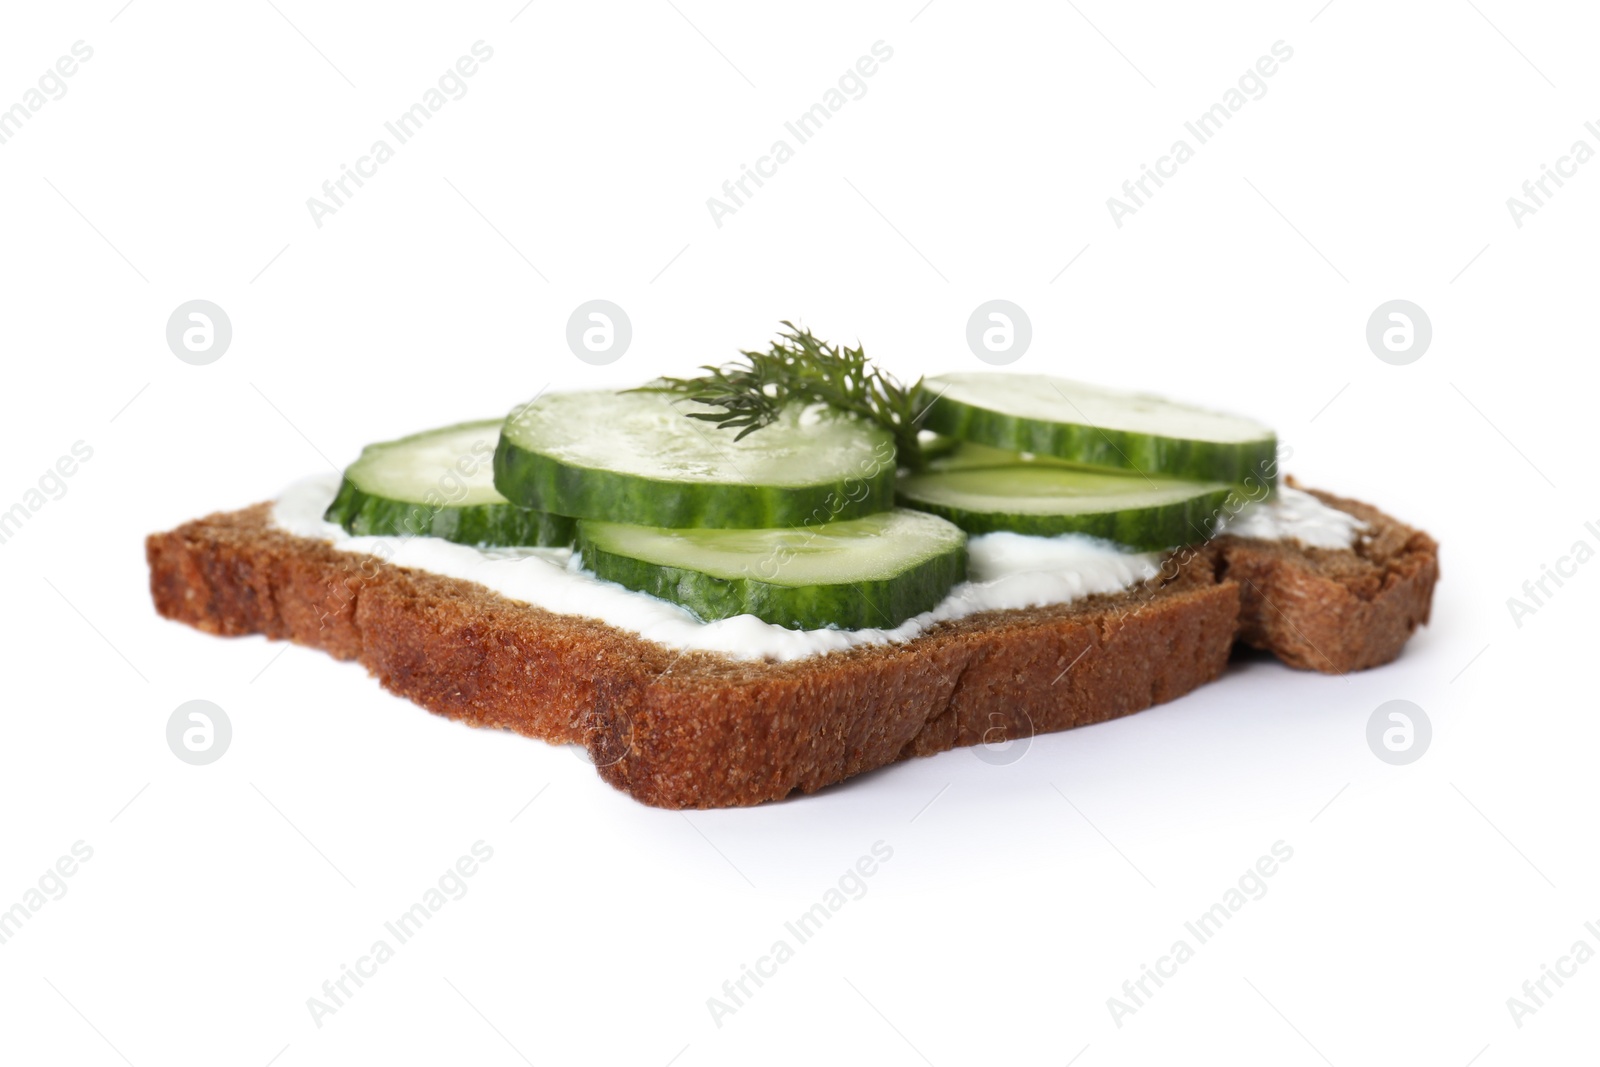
701 730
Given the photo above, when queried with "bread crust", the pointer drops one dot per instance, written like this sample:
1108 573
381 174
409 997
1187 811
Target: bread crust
700 730
1334 611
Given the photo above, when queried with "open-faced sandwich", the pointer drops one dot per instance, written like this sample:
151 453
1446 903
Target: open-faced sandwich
793 568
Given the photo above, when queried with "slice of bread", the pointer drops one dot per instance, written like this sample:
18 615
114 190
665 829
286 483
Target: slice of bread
701 730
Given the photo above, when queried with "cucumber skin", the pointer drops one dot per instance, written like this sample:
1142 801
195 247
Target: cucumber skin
536 481
1147 529
1246 463
854 606
939 448
365 515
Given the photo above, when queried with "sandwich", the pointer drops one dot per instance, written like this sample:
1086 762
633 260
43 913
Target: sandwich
793 568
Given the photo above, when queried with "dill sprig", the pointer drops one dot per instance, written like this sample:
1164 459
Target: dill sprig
800 367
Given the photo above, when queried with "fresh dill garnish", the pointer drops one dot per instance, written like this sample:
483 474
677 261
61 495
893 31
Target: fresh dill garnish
800 367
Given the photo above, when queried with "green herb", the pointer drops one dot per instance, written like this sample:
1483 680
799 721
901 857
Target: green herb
800 367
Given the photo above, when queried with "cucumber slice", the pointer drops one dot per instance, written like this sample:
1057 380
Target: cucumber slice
1100 427
439 483
1046 499
638 458
935 445
872 572
969 456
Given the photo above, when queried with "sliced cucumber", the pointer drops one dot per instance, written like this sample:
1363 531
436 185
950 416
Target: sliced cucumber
872 572
935 446
439 483
1046 499
638 458
968 456
1100 427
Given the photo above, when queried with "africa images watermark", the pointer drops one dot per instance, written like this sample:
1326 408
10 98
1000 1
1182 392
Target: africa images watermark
1137 992
1566 567
807 125
52 485
1537 190
451 885
1252 489
854 490
51 885
1202 128
851 885
51 85
1536 991
410 122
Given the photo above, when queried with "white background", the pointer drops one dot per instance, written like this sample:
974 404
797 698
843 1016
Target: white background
1019 897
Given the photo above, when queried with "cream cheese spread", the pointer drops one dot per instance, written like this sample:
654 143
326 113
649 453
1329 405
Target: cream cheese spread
1296 515
1005 571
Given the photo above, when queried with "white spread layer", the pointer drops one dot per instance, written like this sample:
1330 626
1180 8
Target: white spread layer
1296 515
1005 570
